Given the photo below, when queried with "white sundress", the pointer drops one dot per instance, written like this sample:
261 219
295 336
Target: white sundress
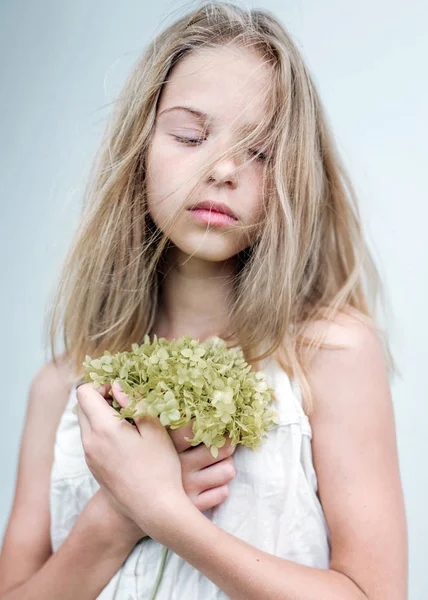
272 504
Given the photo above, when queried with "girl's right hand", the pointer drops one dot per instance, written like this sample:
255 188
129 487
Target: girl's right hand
205 478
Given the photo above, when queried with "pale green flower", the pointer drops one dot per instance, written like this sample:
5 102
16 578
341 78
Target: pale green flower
183 379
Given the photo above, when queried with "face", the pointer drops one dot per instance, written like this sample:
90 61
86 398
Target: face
224 90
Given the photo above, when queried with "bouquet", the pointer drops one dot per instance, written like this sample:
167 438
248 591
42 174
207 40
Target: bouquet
183 379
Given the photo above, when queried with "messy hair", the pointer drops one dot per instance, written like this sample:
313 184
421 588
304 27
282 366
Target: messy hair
310 261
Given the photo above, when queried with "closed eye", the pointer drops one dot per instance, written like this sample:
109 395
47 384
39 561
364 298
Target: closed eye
198 141
189 141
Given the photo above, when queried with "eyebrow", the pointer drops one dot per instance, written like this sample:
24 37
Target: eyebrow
207 119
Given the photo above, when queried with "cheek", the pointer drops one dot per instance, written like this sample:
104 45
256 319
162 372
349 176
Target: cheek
255 208
156 171
166 188
167 176
167 166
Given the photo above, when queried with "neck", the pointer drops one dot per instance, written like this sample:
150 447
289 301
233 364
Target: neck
195 297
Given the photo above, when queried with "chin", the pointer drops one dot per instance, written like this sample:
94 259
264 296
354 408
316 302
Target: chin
209 255
206 250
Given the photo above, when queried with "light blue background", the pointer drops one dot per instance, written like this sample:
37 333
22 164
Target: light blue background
63 63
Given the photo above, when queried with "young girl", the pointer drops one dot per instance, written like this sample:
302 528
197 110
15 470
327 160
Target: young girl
218 207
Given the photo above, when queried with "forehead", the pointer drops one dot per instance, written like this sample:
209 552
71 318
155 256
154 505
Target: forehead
218 85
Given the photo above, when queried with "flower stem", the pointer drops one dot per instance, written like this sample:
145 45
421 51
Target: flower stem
159 577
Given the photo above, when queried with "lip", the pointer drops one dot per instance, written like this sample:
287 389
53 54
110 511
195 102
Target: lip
215 207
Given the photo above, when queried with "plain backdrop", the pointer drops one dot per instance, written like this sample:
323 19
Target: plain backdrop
62 64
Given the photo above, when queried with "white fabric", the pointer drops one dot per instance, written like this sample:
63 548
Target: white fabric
272 504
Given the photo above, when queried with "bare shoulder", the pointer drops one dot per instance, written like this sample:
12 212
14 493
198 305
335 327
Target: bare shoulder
345 330
357 347
53 379
47 397
357 363
48 394
26 544
356 460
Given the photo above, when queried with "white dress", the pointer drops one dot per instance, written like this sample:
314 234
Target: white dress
272 504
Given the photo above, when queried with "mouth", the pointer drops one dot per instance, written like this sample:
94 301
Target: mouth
216 208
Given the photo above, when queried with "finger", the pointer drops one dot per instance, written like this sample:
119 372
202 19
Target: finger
123 399
104 390
92 402
201 457
215 475
120 395
212 497
178 435
149 423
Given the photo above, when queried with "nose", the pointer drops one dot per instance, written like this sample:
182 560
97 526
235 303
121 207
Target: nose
225 172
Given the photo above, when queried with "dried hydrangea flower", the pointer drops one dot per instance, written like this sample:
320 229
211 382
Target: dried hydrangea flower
184 379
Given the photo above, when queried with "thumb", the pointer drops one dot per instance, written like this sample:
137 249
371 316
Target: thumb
152 429
120 395
148 422
123 398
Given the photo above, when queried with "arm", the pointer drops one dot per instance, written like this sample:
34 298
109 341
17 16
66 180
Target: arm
355 457
28 569
80 568
26 544
27 565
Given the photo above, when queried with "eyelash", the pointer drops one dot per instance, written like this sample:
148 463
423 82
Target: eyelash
194 141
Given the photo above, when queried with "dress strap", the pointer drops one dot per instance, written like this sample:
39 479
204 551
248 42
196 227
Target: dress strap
288 395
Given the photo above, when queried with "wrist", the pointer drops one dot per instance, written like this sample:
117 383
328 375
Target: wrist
121 532
118 537
169 519
111 526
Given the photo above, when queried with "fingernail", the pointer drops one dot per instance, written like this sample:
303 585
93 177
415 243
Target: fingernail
118 386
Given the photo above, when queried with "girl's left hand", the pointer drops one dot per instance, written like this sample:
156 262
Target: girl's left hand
138 467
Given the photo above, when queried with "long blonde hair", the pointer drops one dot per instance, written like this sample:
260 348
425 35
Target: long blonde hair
311 260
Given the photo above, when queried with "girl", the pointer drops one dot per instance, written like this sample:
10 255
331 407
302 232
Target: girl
218 207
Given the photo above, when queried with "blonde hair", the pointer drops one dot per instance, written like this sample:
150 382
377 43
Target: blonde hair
310 262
